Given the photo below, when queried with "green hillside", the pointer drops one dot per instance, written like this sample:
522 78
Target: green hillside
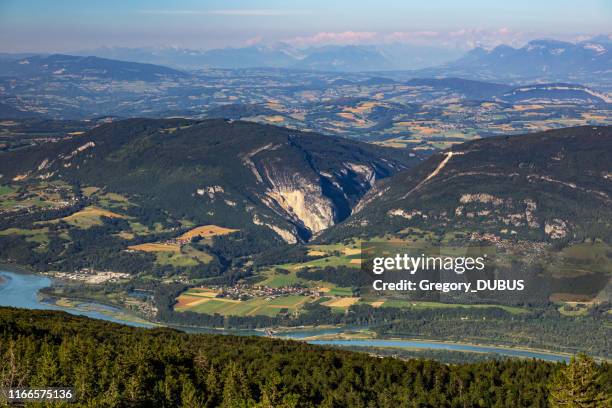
152 196
553 186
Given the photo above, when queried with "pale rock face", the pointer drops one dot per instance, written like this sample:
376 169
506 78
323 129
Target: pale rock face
459 211
47 175
299 199
556 228
366 172
307 205
289 237
481 198
78 150
398 212
247 159
368 198
283 233
43 164
529 213
210 191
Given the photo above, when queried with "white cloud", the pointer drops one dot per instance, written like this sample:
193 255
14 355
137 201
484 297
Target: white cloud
346 37
464 38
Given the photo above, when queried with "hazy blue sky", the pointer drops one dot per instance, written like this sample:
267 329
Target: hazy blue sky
64 25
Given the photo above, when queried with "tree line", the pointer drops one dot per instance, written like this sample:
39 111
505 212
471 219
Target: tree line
118 366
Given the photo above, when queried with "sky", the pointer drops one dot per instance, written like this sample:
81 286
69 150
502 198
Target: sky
70 25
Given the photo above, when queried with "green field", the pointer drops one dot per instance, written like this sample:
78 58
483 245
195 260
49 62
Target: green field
6 190
174 259
39 236
337 291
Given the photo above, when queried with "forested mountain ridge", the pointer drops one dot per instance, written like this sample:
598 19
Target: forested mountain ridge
114 365
553 185
234 174
58 66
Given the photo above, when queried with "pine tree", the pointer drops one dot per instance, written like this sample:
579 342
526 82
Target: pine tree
236 393
189 394
578 386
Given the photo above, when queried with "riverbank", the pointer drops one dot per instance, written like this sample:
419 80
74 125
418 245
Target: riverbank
365 334
17 268
366 342
22 290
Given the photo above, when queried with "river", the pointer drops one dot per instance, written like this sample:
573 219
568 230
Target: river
21 290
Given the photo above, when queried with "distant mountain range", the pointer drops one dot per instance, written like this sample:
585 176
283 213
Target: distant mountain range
549 60
77 67
347 58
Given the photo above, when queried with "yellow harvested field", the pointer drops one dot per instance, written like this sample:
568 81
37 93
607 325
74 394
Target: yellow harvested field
378 303
275 118
126 235
425 130
347 115
88 191
206 231
351 251
89 216
185 301
92 211
355 261
314 252
521 108
352 117
156 247
362 108
342 302
590 116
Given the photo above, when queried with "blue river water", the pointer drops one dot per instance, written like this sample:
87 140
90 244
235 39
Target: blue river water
432 345
21 290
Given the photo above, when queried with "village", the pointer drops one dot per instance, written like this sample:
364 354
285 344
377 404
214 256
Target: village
91 276
246 292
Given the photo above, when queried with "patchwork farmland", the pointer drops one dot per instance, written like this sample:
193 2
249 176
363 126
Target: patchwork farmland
205 300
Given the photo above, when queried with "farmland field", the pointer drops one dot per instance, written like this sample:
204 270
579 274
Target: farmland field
205 302
90 216
39 236
206 231
156 247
